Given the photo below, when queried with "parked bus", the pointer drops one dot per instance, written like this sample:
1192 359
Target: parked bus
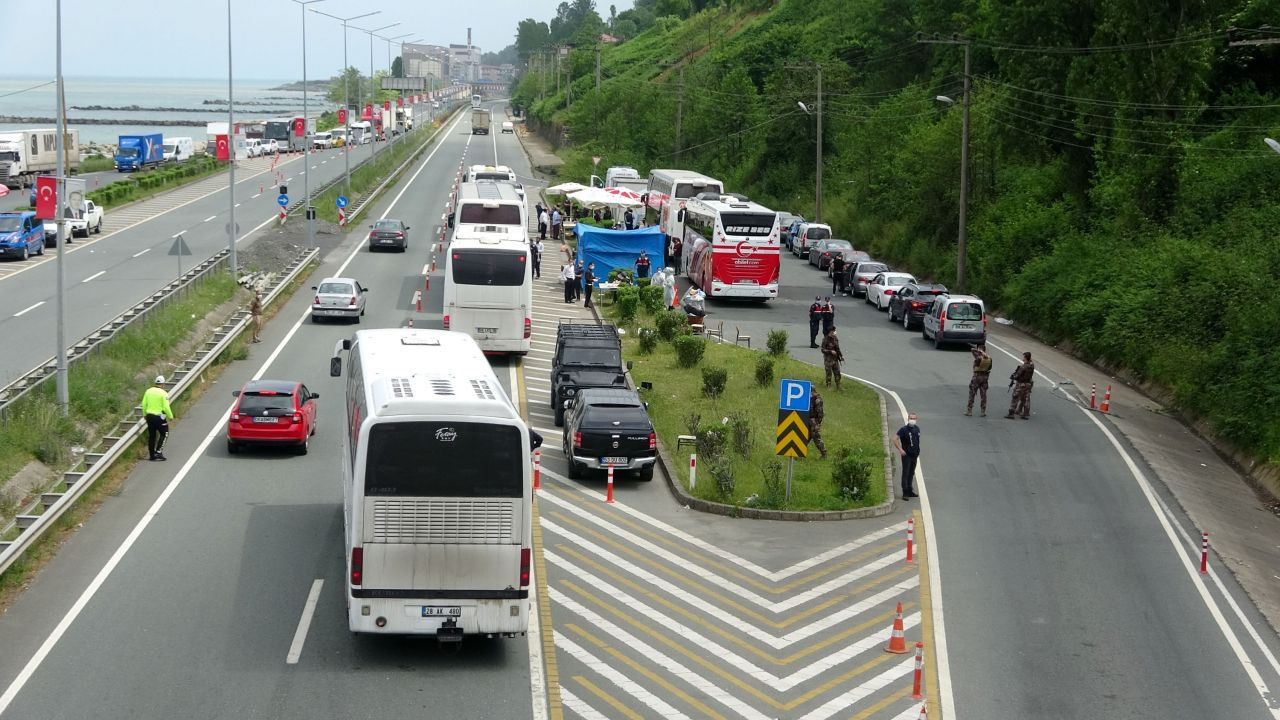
731 247
437 488
668 191
488 278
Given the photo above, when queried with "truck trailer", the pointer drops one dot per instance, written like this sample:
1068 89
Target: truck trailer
139 152
24 154
479 121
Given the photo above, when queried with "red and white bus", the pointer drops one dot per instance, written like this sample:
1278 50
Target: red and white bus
731 247
669 190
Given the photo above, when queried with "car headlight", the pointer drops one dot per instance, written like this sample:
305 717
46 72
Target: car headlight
570 391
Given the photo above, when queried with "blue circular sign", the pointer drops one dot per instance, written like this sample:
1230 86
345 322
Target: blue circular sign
341 201
282 201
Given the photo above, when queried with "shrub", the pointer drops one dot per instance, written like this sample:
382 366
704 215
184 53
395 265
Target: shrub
721 470
628 303
712 440
692 422
671 323
740 434
648 339
775 488
650 296
689 350
764 370
777 343
618 274
851 473
713 381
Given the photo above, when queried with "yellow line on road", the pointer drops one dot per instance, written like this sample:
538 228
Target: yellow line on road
613 702
652 676
926 622
881 704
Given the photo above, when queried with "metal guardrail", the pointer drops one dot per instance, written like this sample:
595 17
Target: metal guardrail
43 513
91 342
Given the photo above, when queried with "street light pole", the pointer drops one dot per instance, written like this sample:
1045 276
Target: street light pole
372 96
63 389
399 92
962 233
817 111
306 121
346 100
231 147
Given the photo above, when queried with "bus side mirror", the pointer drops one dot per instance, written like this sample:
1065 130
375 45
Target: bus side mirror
335 367
346 344
628 364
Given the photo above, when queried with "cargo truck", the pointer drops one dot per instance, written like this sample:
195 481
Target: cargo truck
139 152
479 121
27 153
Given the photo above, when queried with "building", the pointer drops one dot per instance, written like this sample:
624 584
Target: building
464 63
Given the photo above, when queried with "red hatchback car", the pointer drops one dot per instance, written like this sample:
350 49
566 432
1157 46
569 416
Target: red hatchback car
272 412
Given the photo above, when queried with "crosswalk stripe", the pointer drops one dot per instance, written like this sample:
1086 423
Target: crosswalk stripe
844 700
626 684
587 711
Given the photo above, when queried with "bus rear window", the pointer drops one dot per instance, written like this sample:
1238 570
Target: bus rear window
758 224
688 190
499 268
478 214
444 459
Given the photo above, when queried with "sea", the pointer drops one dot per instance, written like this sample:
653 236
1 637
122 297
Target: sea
153 98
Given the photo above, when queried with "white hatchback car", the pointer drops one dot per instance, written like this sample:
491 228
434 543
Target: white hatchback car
883 285
338 297
269 147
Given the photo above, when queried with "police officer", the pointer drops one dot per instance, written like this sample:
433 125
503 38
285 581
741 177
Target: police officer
156 410
828 316
837 274
815 319
907 441
1021 381
817 412
981 373
832 357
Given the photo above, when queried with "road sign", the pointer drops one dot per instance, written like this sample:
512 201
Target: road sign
179 246
595 159
793 434
283 200
341 201
794 395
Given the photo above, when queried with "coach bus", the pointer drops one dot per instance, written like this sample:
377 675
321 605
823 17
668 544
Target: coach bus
437 489
731 247
668 192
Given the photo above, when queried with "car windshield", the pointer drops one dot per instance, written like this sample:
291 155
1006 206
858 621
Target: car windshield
10 223
489 267
817 233
608 414
336 288
252 402
601 357
931 291
445 459
964 311
894 280
839 245
127 152
387 225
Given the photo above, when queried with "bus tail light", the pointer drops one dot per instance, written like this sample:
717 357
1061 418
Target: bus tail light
525 556
528 328
357 566
577 440
446 322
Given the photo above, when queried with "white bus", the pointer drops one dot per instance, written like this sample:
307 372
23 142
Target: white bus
668 191
438 493
475 100
488 275
731 247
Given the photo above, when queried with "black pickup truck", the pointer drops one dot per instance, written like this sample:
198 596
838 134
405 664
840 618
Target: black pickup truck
587 355
609 426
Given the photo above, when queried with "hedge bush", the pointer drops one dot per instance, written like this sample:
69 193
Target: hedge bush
777 343
689 350
713 381
764 370
650 297
670 324
647 338
851 473
628 303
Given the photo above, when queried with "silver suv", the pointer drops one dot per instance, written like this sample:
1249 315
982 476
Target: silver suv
954 319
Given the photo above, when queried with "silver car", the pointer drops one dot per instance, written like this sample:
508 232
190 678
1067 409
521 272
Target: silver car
338 297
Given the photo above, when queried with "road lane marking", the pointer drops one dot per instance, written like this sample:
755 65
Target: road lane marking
20 313
142 252
255 196
576 704
304 622
660 707
211 217
98 274
237 205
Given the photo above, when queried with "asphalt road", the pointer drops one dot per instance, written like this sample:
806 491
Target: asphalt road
108 273
200 614
1064 597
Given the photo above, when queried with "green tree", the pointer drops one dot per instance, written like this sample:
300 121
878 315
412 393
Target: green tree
353 87
397 67
531 37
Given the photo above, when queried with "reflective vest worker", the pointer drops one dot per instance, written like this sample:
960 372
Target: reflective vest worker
156 411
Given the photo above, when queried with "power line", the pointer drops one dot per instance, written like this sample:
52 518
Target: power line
33 87
1102 49
743 131
1123 104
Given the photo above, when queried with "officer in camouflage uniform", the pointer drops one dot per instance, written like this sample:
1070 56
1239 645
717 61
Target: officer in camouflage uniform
832 357
981 373
1021 381
817 411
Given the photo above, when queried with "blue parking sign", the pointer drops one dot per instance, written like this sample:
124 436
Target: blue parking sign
283 201
794 395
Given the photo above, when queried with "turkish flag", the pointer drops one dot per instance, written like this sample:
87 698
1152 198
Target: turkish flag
386 104
399 102
342 116
46 197
299 127
223 147
368 112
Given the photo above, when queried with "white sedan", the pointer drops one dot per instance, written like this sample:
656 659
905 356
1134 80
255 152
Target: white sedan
881 288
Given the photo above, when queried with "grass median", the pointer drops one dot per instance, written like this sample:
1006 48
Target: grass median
148 183
738 421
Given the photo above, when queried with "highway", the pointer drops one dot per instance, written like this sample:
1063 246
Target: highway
108 273
19 198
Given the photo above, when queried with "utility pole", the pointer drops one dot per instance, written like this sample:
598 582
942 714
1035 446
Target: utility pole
232 267
63 389
817 110
962 234
597 68
680 115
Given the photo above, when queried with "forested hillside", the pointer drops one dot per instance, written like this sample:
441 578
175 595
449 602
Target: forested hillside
1123 201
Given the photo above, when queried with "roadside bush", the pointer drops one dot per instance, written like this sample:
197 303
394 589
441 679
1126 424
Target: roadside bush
689 350
775 488
670 324
712 440
851 473
777 343
648 339
628 303
644 282
740 434
692 423
650 296
764 370
721 470
713 381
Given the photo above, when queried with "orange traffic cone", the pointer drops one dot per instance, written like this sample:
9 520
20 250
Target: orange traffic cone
924 712
897 641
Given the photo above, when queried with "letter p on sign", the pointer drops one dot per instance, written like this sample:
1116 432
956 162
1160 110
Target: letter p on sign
794 395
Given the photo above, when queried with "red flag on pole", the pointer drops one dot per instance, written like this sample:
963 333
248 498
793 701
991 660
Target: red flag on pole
299 127
386 104
342 116
46 197
223 146
399 102
368 112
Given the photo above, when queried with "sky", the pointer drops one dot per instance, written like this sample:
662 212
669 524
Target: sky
189 38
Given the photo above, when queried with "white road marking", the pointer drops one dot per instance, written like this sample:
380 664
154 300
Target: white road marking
211 217
142 252
659 706
576 704
98 274
304 622
840 702
255 196
237 205
20 313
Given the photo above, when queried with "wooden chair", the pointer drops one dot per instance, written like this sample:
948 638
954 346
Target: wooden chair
740 337
682 440
718 333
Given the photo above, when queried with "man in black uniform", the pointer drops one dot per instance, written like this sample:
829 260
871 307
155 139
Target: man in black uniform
837 274
907 441
815 319
828 316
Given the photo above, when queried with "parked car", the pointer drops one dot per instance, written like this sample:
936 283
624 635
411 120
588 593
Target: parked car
390 234
785 221
272 412
253 147
21 235
609 426
269 147
912 302
883 285
955 318
824 250
587 355
810 233
323 140
861 273
338 297
851 257
508 127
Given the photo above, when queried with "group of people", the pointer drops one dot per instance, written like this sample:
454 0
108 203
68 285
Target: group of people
821 313
579 281
549 219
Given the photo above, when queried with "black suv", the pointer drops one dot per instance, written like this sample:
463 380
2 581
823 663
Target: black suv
609 426
910 303
587 355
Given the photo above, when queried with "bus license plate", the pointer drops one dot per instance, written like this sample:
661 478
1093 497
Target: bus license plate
490 331
614 461
437 611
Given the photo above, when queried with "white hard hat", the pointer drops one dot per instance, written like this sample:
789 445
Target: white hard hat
159 379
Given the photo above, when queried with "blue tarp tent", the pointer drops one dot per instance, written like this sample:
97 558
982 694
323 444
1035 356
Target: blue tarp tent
610 249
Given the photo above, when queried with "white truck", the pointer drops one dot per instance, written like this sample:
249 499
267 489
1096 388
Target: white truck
479 121
24 154
81 222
